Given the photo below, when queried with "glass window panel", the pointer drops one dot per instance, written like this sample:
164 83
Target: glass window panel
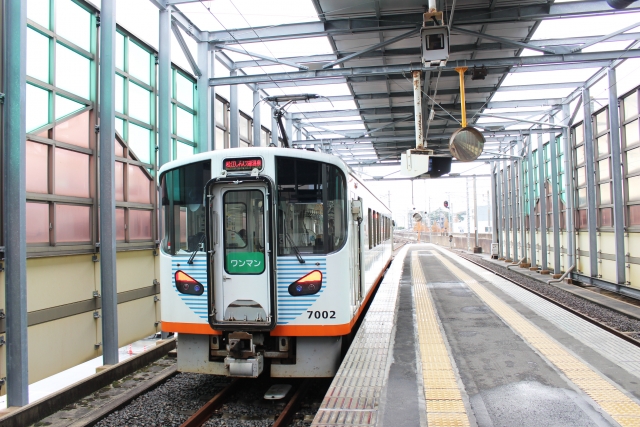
120 51
72 71
220 142
38 11
73 23
119 181
37 223
74 131
37 107
118 148
219 112
263 138
581 176
582 197
139 142
138 183
603 170
37 55
139 224
634 215
606 217
633 184
630 106
119 224
184 90
183 150
633 160
71 173
72 223
631 133
139 103
580 155
244 127
120 127
603 145
65 106
601 121
582 218
139 63
579 134
119 94
37 167
605 194
185 124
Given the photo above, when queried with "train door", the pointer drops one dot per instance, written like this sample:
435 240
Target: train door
240 263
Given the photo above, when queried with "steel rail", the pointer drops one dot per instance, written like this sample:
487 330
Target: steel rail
204 413
583 316
289 411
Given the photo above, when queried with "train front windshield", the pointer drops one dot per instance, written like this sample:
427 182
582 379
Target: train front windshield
183 214
312 213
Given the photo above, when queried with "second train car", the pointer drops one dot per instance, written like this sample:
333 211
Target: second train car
268 257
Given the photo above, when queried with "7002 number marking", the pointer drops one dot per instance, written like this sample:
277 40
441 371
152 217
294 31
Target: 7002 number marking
322 314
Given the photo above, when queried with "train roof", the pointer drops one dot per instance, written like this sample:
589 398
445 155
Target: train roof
259 151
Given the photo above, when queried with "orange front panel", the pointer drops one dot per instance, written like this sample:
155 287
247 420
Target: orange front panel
189 328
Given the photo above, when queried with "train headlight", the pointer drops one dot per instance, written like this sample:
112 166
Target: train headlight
308 284
186 284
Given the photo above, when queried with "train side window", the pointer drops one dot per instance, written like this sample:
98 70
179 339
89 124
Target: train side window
370 229
182 214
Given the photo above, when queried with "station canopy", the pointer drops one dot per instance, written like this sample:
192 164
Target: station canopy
359 56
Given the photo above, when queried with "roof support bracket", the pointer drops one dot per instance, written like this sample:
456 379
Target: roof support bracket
514 43
185 49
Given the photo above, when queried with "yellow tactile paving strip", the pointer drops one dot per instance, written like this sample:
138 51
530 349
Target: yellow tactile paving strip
441 392
612 400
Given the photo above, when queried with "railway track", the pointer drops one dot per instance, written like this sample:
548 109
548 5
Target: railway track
284 419
630 336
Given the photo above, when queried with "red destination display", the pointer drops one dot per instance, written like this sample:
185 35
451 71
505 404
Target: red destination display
246 164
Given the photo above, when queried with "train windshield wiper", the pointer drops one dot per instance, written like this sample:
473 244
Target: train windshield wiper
193 254
295 248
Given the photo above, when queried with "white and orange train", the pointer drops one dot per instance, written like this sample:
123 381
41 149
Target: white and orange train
268 258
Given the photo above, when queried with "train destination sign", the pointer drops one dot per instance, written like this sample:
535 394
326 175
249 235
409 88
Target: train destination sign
243 164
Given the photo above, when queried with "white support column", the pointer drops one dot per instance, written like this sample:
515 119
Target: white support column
532 202
205 103
555 208
521 200
274 129
589 153
234 112
164 88
616 168
499 200
543 205
569 188
257 119
506 211
212 96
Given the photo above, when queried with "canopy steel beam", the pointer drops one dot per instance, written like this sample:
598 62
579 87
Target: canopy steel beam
372 48
266 58
457 48
471 16
473 106
502 40
409 68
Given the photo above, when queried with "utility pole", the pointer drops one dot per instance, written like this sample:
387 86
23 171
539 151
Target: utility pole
476 248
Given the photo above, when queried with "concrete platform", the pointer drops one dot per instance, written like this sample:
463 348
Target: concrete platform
447 343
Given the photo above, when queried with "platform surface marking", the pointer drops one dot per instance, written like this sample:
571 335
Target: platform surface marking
612 400
353 397
441 391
